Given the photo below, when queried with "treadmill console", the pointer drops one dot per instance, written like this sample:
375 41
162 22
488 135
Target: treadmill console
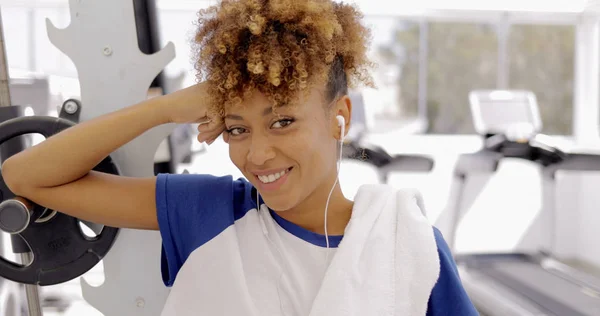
514 113
509 121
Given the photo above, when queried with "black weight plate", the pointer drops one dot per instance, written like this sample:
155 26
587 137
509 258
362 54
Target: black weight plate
61 252
5 193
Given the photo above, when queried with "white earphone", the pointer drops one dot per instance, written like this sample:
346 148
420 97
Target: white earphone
342 126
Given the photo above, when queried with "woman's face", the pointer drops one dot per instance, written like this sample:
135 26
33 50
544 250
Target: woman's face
288 155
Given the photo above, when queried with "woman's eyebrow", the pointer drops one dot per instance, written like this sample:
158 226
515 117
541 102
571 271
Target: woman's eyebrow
234 117
267 111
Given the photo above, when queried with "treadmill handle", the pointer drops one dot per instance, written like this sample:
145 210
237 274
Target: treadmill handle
479 162
577 162
416 163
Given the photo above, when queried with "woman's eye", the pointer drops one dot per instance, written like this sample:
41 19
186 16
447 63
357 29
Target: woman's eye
282 123
236 131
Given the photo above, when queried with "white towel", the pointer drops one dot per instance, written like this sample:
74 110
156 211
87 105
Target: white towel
387 262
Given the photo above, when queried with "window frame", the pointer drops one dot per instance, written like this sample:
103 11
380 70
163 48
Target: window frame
586 96
587 48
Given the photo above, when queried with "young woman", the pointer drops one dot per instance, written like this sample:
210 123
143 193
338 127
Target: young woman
283 241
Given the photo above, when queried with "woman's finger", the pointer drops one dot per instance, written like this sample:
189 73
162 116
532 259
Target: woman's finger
212 134
205 128
211 140
215 137
209 126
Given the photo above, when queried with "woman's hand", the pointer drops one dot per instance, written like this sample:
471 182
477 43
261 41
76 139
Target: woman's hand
188 106
210 130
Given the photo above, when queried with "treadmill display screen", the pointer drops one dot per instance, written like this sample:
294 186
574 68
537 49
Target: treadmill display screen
498 115
499 111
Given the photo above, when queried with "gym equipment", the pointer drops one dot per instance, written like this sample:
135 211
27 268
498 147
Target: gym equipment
177 147
31 90
521 283
53 247
61 251
11 301
10 298
357 149
101 40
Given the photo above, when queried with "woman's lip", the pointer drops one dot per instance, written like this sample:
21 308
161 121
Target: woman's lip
275 185
268 172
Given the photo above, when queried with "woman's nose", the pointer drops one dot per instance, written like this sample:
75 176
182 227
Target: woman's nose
260 151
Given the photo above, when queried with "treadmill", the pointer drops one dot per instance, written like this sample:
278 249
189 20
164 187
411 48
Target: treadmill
356 148
520 283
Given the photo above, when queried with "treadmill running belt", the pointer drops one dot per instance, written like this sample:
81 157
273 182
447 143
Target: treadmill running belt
554 294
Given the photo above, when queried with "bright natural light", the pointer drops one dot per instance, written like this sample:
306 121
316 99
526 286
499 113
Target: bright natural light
383 6
477 152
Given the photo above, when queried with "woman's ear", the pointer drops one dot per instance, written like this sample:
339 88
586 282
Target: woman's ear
343 107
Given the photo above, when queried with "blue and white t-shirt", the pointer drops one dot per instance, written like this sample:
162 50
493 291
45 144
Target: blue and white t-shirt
223 256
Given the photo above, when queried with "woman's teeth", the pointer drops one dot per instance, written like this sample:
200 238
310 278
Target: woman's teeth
272 177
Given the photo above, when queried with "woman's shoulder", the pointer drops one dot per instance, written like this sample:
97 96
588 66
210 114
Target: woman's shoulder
194 180
197 192
193 209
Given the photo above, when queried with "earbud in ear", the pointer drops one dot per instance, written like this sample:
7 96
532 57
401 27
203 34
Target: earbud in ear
342 125
341 121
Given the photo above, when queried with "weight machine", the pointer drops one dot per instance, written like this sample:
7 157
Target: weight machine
113 73
527 282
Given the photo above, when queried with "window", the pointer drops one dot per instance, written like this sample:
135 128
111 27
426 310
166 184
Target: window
16 29
48 58
427 65
395 50
177 26
541 59
27 44
461 57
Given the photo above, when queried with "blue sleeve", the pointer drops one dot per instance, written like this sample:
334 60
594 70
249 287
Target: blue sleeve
448 297
191 210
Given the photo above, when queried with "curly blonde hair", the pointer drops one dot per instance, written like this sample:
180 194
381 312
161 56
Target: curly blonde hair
280 48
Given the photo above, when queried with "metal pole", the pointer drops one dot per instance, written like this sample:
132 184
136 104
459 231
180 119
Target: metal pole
4 92
423 60
31 291
503 69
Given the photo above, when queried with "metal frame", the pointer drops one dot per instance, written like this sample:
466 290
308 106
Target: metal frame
483 287
490 17
4 91
31 291
586 90
107 48
423 57
503 71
